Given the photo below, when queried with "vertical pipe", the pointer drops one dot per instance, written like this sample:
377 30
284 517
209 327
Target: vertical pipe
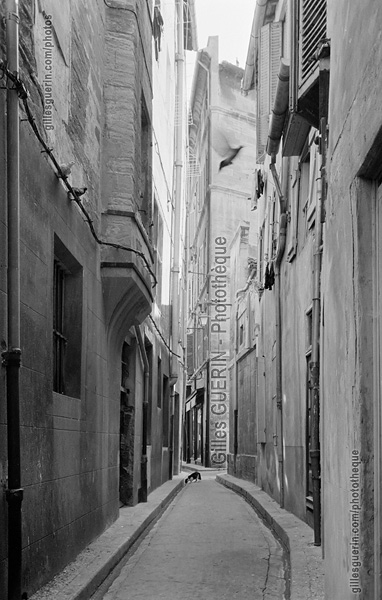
316 323
207 459
13 175
178 182
282 193
12 357
146 372
315 376
175 269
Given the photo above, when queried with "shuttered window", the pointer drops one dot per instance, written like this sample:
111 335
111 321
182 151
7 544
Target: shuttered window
313 29
270 50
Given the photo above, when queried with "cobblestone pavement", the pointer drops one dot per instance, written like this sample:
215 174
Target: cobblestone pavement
208 545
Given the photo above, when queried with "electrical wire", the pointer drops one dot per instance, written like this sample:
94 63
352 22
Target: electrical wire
164 341
23 94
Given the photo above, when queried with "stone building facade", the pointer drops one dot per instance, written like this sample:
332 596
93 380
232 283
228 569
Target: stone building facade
316 329
96 419
218 201
351 311
273 321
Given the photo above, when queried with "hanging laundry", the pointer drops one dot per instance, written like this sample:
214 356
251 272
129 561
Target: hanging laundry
260 184
157 30
269 279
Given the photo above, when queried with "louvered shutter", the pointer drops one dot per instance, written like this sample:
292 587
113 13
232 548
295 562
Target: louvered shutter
269 62
313 29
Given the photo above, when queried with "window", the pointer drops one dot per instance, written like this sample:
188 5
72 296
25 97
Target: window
270 48
158 249
241 335
145 198
67 322
150 359
166 411
159 384
293 209
313 30
308 34
59 339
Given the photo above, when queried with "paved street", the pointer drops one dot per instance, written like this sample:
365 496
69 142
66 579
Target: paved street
209 544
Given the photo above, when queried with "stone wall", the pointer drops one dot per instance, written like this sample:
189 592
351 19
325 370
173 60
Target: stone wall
70 444
349 315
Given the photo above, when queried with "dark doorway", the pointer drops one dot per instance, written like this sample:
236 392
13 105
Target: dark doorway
127 424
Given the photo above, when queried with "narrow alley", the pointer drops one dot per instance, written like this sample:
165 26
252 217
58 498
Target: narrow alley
209 544
190 279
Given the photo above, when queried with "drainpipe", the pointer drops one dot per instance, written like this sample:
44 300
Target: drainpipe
146 372
276 127
281 191
178 187
175 270
249 69
316 322
12 357
323 55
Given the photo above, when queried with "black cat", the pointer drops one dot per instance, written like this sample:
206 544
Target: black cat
193 477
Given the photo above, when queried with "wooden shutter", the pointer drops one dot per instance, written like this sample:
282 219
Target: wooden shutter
270 51
313 29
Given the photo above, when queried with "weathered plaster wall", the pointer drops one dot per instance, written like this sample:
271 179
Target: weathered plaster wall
224 204
243 366
296 282
355 119
268 468
296 292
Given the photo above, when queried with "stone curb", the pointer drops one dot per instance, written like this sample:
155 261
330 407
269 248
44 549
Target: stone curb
81 578
305 560
201 468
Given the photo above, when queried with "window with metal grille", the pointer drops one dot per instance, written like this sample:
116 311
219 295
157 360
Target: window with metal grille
312 30
67 322
59 339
